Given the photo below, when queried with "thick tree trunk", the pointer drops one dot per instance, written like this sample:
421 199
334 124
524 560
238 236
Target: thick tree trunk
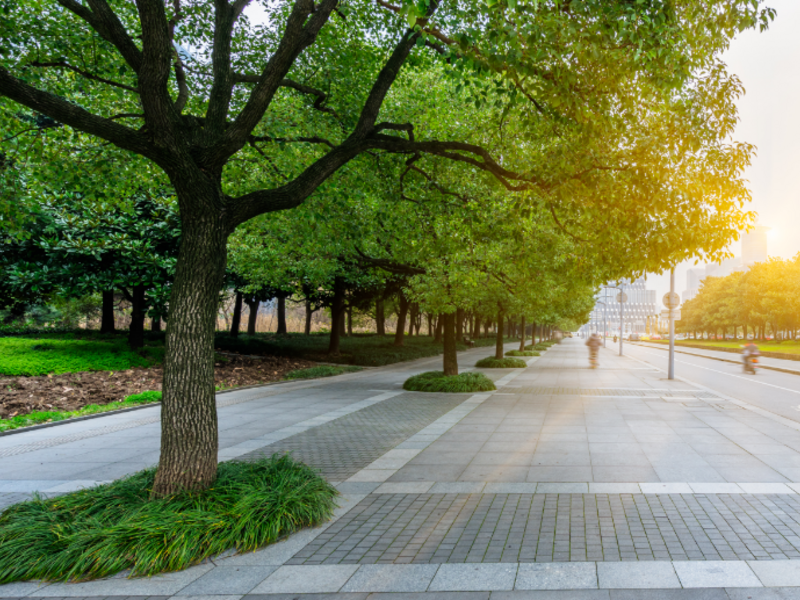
136 329
155 324
337 316
107 316
450 355
498 344
380 317
252 306
439 327
309 313
522 336
189 433
281 315
430 324
401 321
236 320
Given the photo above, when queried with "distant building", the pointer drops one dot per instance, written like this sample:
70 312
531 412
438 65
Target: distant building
640 304
754 250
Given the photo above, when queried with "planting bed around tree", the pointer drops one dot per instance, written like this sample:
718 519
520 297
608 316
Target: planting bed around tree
101 531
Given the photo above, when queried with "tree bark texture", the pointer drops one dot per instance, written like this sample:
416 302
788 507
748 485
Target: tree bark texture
522 336
252 306
309 312
380 317
189 434
136 329
401 320
281 315
337 315
450 360
459 324
107 316
236 319
498 344
155 324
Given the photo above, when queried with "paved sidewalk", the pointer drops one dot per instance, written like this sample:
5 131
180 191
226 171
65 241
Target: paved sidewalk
565 483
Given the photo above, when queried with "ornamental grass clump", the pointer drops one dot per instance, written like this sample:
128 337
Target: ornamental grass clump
103 530
320 371
522 353
437 381
490 362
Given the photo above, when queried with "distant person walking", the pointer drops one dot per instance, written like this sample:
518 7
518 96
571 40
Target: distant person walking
594 343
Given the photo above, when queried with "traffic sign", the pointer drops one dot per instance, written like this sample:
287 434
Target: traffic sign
671 300
675 314
622 297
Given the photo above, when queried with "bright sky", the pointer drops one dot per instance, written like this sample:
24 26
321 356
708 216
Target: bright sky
767 65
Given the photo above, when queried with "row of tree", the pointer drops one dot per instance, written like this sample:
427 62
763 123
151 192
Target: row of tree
762 301
499 158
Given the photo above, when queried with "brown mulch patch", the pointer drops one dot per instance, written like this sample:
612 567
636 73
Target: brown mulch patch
71 391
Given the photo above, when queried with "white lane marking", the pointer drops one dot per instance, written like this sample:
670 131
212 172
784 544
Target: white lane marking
729 374
740 403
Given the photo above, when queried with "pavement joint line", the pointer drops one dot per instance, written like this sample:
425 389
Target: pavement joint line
375 472
740 403
501 576
581 487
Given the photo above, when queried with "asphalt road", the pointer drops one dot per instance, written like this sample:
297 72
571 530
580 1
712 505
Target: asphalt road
770 390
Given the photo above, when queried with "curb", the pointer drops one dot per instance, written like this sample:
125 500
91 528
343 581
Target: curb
735 362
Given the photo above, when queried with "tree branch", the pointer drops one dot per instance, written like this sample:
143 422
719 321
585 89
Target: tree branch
308 140
390 265
76 117
157 55
106 23
82 73
302 27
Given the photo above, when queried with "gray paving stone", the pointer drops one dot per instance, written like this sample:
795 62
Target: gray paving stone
668 594
636 575
706 574
429 596
777 573
552 595
19 589
302 579
474 577
556 576
166 584
228 580
391 578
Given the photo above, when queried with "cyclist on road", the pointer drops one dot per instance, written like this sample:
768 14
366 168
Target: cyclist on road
594 343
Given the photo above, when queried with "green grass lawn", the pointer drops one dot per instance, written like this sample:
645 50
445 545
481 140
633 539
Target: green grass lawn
48 416
788 347
60 353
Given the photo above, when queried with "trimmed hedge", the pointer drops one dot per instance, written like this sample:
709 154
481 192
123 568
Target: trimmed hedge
490 362
320 371
436 381
522 353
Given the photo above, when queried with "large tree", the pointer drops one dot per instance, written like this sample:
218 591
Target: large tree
198 91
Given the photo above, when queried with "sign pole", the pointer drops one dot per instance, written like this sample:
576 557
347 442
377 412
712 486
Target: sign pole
671 374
